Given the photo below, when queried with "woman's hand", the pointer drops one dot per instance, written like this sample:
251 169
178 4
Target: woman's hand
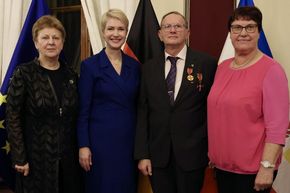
145 167
265 176
85 158
211 165
22 169
264 179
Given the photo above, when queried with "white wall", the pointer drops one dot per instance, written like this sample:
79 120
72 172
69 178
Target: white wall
276 26
161 7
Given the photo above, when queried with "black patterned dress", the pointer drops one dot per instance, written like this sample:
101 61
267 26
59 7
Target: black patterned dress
41 117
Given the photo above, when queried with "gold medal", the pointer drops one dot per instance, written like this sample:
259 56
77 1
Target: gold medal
190 77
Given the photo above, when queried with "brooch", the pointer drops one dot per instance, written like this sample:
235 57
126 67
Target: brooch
189 71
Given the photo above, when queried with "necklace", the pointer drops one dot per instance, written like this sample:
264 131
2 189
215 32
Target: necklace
248 61
50 67
47 64
117 64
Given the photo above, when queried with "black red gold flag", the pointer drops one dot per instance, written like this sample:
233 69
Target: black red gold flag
143 42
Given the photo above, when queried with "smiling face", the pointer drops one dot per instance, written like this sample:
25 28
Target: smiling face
49 43
114 33
173 31
245 41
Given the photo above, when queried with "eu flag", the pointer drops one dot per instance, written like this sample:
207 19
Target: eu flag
24 52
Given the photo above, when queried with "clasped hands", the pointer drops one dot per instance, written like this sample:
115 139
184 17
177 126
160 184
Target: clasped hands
22 169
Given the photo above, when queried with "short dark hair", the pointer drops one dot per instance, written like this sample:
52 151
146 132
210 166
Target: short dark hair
246 13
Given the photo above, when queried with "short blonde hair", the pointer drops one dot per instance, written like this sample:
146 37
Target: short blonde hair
116 14
47 21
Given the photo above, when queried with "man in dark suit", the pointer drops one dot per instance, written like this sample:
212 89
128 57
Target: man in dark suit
171 136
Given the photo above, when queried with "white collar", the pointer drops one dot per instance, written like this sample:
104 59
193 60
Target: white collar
180 55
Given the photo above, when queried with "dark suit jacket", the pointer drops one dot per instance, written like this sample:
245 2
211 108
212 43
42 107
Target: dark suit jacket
183 126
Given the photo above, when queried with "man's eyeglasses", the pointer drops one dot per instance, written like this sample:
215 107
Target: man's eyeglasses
176 27
236 29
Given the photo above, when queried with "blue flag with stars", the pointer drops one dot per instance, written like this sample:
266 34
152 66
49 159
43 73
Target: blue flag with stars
262 43
24 52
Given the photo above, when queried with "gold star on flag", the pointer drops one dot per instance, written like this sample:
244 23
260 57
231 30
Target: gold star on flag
2 98
287 155
6 147
1 124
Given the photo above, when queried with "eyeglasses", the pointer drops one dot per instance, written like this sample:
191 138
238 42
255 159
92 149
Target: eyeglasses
176 27
236 29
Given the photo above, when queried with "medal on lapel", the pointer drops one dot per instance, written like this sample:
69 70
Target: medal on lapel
189 71
199 77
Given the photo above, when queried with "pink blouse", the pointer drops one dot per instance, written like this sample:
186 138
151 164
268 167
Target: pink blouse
246 108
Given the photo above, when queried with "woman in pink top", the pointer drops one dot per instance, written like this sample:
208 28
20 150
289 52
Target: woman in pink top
247 111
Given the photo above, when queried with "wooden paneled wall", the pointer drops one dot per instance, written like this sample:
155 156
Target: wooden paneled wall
208 25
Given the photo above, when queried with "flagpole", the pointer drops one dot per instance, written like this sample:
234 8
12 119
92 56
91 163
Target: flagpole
235 4
187 15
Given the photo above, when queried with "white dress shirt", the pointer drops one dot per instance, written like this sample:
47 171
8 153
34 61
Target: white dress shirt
179 68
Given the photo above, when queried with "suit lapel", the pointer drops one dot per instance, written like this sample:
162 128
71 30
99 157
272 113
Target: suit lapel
110 72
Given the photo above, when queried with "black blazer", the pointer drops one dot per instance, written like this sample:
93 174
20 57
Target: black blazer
182 126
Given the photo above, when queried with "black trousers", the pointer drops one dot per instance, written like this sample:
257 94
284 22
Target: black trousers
229 182
172 179
70 179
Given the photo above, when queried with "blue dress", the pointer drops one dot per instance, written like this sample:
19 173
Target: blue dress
107 122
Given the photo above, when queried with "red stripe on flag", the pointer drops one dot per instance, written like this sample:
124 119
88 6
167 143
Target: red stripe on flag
129 51
143 41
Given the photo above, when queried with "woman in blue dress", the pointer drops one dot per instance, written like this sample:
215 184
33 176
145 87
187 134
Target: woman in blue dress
108 88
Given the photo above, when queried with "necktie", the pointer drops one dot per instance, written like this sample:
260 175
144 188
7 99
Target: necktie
170 79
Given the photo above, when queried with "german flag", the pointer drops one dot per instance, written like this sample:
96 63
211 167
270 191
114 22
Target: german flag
143 42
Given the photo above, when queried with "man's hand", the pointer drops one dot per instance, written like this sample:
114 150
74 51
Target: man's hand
145 167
